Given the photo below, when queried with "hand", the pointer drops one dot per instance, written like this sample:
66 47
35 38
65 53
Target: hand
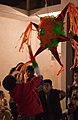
40 88
41 77
37 70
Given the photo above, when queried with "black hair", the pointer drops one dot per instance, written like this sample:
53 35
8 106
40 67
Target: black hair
75 38
12 70
76 70
9 82
48 81
30 68
1 92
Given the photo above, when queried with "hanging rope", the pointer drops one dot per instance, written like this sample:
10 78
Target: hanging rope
45 3
46 6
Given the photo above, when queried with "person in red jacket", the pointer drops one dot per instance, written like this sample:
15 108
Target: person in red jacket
25 96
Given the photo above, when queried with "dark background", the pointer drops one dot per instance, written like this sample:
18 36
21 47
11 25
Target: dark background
29 4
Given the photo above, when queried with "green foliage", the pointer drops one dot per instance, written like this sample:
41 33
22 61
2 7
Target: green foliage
34 64
42 32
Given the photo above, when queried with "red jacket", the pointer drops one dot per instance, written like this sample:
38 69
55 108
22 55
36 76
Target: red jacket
26 98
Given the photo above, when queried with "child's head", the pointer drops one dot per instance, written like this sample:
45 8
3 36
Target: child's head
76 74
9 82
30 72
47 86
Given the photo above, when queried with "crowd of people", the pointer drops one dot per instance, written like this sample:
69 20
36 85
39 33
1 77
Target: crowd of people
34 98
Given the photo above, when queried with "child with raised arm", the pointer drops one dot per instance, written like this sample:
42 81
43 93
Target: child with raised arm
25 96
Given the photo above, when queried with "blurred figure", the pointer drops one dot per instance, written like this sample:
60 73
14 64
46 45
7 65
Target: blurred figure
73 96
5 113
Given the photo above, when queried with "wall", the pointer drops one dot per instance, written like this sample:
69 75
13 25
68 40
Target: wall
9 34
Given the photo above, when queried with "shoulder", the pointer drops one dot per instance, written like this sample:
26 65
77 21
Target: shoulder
72 88
55 90
60 93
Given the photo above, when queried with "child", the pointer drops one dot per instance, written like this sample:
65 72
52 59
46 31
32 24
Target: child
50 99
27 100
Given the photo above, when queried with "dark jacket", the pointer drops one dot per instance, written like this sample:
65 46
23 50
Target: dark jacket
51 105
